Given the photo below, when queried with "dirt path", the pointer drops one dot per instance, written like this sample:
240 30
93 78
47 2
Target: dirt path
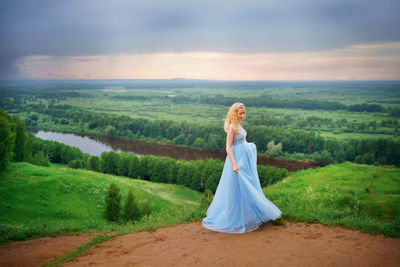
295 244
38 251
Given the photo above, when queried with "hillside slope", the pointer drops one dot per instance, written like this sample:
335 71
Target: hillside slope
36 201
351 195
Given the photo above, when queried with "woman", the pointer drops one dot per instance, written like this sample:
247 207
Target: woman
239 204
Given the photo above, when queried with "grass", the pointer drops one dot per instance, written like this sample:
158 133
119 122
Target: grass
215 114
348 195
38 201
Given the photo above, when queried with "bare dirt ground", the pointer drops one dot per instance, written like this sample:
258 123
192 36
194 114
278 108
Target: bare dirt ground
292 244
38 251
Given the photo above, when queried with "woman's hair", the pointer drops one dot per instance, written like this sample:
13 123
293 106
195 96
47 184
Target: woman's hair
232 117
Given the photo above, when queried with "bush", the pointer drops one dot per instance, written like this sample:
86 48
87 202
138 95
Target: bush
113 203
368 158
323 157
274 150
40 159
76 164
146 209
206 199
131 210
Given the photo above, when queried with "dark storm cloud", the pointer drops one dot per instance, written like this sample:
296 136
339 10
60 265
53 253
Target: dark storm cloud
90 27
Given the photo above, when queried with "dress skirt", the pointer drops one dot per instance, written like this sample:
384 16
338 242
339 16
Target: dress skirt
239 204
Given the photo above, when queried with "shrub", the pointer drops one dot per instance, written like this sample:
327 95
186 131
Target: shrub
131 209
274 150
40 159
323 157
113 203
206 199
76 164
146 209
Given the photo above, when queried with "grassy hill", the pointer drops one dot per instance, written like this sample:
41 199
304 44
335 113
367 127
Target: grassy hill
351 195
37 201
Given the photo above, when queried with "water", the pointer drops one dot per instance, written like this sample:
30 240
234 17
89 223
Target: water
96 144
84 143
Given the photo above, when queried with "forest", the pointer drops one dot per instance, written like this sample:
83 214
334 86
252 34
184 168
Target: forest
324 122
200 175
335 124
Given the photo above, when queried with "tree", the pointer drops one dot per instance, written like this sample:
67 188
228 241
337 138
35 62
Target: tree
274 150
123 166
368 158
214 176
134 166
113 203
19 147
76 164
323 157
94 163
6 140
198 142
144 166
184 174
131 209
206 200
109 162
196 183
146 209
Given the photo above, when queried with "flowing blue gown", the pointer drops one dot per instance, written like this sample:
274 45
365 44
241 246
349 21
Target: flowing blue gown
239 204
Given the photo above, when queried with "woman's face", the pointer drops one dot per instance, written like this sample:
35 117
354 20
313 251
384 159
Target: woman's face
240 113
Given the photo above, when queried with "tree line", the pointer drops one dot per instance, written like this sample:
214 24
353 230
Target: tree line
260 101
367 150
307 104
339 125
200 175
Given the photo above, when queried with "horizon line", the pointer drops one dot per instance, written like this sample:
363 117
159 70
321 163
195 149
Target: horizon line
188 79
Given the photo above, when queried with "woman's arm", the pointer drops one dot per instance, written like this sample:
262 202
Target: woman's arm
229 141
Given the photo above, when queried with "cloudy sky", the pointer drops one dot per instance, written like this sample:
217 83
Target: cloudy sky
218 39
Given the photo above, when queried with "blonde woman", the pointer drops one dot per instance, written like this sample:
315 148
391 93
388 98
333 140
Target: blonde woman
239 204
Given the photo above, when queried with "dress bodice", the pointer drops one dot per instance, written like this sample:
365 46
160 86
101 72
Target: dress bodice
239 137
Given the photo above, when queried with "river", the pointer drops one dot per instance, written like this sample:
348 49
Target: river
94 144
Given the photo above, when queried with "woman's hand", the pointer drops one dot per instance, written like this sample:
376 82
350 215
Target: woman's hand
235 168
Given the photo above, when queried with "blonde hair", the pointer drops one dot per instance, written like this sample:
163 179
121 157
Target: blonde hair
232 117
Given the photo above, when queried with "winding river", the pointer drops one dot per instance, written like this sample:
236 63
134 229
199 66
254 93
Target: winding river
96 144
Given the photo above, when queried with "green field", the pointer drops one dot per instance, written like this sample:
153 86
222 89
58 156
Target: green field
327 122
349 195
157 100
41 201
38 201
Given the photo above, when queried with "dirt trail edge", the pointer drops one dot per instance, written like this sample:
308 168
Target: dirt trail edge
37 251
292 244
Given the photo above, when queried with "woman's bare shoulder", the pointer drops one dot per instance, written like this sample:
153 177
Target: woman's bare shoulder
231 129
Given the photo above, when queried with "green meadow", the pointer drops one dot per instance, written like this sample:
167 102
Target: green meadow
171 102
41 201
348 195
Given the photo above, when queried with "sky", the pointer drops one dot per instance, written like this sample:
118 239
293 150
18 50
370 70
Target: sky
212 40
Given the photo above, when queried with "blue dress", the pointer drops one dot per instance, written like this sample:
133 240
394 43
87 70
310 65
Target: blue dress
239 204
